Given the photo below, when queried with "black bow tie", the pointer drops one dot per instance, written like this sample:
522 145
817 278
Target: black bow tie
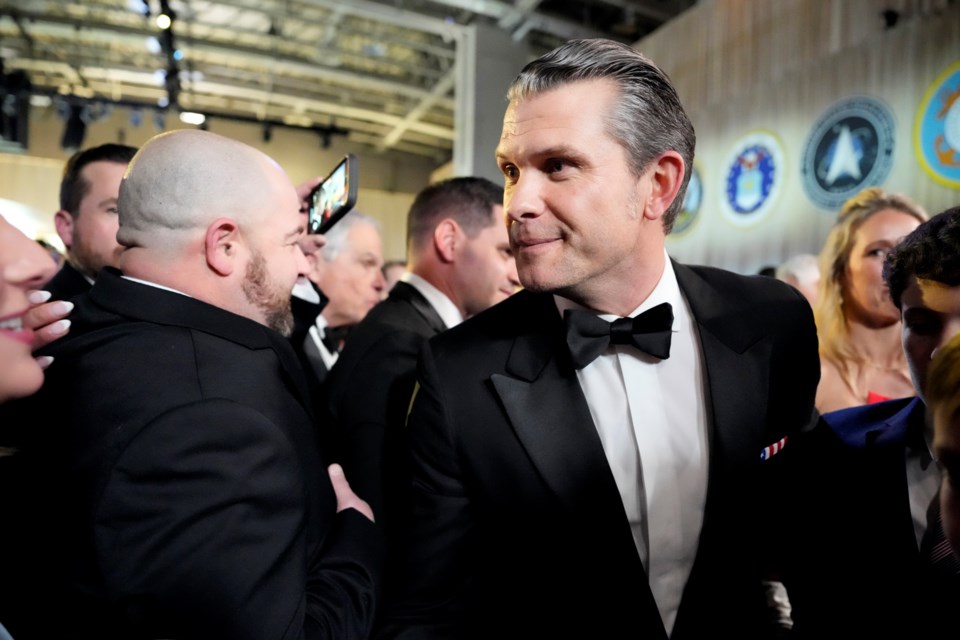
333 338
588 336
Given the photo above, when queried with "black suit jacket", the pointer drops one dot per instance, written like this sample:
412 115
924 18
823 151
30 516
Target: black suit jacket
858 571
189 496
369 393
67 283
518 528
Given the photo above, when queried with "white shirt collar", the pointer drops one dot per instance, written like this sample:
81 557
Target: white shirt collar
304 290
444 307
155 285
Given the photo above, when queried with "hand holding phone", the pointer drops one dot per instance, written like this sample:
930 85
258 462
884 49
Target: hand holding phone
334 197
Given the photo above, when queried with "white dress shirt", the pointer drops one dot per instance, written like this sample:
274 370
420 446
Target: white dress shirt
651 418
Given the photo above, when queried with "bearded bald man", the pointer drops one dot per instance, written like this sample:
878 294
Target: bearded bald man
191 499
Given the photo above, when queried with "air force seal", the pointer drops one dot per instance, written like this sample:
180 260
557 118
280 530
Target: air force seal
850 148
755 173
936 133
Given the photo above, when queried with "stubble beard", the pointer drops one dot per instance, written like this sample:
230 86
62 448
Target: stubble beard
274 305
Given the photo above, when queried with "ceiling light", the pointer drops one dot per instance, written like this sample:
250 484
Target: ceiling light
192 117
164 21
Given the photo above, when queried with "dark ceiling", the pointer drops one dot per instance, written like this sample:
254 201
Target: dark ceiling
380 71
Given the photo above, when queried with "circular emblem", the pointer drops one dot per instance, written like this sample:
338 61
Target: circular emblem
850 148
754 177
936 133
691 204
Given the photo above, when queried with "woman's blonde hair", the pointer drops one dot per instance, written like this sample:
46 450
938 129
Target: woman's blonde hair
833 330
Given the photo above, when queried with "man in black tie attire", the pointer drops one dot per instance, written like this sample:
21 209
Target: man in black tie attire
87 220
343 284
864 511
460 263
628 495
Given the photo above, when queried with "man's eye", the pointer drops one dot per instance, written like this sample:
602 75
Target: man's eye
554 166
509 171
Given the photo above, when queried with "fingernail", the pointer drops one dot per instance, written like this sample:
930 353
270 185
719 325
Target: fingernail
44 361
59 327
38 297
62 307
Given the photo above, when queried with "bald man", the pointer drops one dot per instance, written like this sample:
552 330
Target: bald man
192 499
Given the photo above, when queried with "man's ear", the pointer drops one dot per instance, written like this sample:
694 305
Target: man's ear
446 239
63 222
222 245
666 176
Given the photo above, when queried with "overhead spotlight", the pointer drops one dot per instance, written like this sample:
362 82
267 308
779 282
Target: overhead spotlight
153 45
324 139
267 134
192 117
166 16
159 121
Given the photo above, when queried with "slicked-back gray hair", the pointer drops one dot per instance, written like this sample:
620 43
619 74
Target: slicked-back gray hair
647 119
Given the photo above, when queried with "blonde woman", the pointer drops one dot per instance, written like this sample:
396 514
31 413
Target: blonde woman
858 326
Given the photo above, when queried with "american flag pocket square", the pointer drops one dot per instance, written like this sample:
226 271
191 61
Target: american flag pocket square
773 449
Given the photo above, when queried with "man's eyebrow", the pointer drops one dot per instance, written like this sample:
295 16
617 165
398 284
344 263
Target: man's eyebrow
296 232
556 150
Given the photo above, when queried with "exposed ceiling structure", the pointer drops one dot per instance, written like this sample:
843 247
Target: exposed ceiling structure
378 71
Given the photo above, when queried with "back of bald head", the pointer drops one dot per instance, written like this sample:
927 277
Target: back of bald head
179 182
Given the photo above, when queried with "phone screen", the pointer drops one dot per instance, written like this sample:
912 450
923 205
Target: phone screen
333 197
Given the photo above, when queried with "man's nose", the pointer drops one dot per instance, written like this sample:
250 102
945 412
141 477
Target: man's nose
524 198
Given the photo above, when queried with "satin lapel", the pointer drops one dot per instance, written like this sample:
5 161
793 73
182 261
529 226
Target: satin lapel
736 369
409 293
313 357
548 412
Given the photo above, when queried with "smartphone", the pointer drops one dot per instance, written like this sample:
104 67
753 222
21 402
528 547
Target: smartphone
334 197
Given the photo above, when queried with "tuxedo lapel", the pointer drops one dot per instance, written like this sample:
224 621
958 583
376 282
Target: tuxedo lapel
736 368
547 409
409 294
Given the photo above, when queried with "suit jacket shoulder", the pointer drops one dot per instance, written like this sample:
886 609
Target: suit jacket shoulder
68 283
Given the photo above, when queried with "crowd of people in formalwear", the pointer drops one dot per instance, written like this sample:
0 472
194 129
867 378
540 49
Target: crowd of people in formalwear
215 425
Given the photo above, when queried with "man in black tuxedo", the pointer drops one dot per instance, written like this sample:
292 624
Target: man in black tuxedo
187 491
616 482
460 263
87 220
